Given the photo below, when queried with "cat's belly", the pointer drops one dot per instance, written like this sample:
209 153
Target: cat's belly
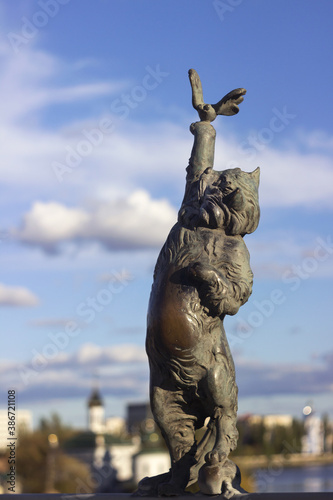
177 323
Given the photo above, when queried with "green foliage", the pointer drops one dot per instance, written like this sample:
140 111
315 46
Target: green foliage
40 465
251 438
53 425
256 439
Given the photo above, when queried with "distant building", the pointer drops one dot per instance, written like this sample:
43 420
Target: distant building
118 453
96 413
270 421
150 463
23 420
110 458
115 426
121 454
137 414
313 441
97 422
118 461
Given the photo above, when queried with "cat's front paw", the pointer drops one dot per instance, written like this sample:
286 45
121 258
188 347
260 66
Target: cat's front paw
235 200
203 273
197 271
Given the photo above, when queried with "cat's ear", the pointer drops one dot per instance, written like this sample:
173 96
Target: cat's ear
255 175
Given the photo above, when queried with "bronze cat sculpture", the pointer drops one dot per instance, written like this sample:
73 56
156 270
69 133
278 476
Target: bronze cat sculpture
202 274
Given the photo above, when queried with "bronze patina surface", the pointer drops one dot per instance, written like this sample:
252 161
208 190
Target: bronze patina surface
202 274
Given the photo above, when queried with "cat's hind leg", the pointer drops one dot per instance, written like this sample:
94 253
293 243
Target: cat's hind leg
222 390
219 473
178 429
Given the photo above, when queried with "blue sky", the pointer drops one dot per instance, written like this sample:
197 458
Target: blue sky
96 108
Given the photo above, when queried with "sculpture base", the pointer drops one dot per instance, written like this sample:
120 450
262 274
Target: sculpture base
125 496
217 476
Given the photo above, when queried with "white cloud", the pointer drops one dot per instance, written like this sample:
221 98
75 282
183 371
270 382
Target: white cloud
317 139
17 296
149 157
78 92
108 197
123 369
49 322
123 353
124 372
123 223
29 79
291 179
274 254
89 353
123 275
49 223
128 353
290 176
257 378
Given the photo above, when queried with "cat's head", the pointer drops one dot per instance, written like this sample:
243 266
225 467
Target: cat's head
230 200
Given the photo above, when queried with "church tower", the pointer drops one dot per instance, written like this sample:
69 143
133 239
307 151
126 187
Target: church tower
96 417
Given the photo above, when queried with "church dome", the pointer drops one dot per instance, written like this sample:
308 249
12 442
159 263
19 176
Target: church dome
95 399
